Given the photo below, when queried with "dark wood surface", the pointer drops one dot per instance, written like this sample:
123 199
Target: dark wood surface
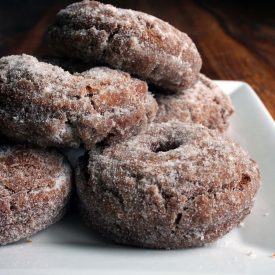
236 39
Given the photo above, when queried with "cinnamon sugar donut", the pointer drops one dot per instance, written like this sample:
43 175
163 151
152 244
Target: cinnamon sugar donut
35 186
132 41
204 103
178 185
42 104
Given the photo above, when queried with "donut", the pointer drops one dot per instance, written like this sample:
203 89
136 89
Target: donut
177 185
35 187
204 103
132 41
42 104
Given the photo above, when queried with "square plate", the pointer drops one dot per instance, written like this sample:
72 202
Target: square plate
68 247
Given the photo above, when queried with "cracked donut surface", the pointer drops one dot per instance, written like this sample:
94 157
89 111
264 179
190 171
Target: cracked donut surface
35 187
178 185
204 103
43 104
132 41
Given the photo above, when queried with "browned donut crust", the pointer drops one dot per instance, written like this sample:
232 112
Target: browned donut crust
42 104
35 186
178 185
204 103
132 41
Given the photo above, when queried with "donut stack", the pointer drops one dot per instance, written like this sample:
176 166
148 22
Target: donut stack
158 172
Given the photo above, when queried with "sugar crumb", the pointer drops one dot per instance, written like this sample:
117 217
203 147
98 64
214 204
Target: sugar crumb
252 254
241 224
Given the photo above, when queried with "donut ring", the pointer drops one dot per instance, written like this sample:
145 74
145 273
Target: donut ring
132 41
42 104
35 186
178 185
204 103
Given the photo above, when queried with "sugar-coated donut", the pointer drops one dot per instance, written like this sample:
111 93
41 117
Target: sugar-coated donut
178 185
132 41
42 104
35 187
204 103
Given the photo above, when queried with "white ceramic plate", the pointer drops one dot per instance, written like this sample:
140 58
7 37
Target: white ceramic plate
68 247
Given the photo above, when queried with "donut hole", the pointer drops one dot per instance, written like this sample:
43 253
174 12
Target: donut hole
167 146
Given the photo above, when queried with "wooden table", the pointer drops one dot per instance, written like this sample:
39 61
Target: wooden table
236 39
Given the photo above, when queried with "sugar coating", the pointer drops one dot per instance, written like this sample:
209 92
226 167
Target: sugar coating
178 185
132 41
204 103
43 104
35 187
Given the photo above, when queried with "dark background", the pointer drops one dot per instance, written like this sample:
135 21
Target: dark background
236 39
